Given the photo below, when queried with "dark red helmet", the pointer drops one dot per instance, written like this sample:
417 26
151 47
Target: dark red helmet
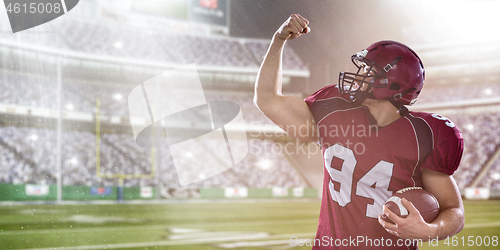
390 69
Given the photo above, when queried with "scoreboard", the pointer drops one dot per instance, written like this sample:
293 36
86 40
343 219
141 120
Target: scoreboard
211 12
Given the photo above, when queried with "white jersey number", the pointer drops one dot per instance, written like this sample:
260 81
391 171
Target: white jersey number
373 185
447 121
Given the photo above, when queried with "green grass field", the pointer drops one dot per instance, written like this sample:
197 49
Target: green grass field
244 224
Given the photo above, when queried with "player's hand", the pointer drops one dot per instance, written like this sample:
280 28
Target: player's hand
412 227
293 27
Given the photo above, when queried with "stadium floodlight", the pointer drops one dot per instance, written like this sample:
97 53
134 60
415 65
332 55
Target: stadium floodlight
470 126
488 91
264 164
118 45
70 106
117 96
496 176
34 137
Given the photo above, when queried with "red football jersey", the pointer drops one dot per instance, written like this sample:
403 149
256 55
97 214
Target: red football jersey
364 164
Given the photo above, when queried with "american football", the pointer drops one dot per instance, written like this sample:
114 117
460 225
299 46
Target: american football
424 201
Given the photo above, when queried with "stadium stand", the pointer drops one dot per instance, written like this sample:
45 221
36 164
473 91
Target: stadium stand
29 156
492 178
479 131
101 39
36 91
290 58
119 151
27 153
28 90
461 92
481 138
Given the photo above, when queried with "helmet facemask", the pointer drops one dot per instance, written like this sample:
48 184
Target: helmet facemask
368 76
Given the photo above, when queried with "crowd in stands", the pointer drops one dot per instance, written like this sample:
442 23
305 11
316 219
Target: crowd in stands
461 92
290 58
481 140
38 91
492 177
29 155
115 41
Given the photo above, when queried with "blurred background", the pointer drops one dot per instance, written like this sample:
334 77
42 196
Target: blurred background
65 131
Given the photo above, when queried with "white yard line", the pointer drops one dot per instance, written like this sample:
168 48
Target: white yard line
255 243
483 225
285 238
155 227
204 225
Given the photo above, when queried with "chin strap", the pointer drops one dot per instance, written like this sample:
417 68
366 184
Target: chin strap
359 97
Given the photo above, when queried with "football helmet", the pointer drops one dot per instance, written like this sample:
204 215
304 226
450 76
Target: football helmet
387 70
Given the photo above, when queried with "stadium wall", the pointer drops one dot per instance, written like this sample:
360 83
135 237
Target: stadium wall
12 192
30 192
242 192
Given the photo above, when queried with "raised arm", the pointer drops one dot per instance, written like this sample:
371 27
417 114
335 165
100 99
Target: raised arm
290 113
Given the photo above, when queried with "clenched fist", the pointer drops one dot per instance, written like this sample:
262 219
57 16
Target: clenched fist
293 27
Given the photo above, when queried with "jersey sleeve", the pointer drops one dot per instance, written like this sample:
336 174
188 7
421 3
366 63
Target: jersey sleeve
323 93
448 146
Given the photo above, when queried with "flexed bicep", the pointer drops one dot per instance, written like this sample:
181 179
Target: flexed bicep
292 114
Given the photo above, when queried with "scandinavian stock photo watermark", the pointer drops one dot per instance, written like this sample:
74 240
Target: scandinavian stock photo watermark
364 241
349 136
359 241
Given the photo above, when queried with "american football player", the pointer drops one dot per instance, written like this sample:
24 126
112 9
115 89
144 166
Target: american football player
362 170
